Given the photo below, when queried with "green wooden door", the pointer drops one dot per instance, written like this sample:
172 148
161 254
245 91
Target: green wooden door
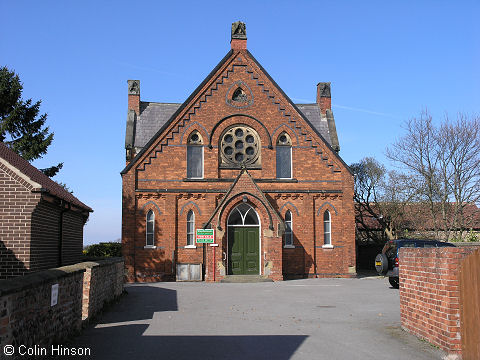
243 250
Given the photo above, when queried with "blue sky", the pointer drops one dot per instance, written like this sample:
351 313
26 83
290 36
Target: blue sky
386 61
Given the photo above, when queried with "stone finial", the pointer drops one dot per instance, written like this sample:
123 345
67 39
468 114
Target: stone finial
323 89
133 87
324 98
239 30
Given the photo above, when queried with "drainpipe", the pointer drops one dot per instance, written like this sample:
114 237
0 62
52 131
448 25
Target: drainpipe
60 231
314 242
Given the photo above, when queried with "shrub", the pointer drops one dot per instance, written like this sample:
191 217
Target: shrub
104 249
471 236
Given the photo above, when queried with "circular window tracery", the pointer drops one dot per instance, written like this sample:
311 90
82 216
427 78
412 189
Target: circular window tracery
195 138
240 145
284 140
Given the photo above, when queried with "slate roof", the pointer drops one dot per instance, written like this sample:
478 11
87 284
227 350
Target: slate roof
37 176
319 122
154 115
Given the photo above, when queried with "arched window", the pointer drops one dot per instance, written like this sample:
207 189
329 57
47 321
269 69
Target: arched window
284 156
195 156
243 215
150 240
327 228
288 229
190 228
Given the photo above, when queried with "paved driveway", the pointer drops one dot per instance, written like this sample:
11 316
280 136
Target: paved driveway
300 319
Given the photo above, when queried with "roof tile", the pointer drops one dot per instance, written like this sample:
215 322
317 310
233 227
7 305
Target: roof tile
37 176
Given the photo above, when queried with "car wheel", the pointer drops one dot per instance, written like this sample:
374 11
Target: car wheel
394 282
381 264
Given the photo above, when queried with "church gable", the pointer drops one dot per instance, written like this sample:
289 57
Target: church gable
238 91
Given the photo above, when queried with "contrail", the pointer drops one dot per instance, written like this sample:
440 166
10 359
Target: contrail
365 111
305 101
149 69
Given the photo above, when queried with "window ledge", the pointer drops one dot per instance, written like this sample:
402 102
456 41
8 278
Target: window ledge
190 247
289 246
327 246
149 247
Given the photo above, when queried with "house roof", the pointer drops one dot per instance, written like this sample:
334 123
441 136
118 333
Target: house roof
38 177
154 115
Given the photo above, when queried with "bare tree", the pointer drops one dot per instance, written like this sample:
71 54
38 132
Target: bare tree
383 201
368 196
444 162
459 168
417 154
399 200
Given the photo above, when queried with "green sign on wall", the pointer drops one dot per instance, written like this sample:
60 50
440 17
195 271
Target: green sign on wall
205 236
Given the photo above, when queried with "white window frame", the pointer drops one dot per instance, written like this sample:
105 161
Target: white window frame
288 235
327 244
192 234
152 220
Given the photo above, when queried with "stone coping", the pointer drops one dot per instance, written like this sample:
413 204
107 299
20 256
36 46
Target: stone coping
20 283
93 262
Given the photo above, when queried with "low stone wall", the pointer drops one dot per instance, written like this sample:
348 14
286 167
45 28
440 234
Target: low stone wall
430 298
102 282
29 317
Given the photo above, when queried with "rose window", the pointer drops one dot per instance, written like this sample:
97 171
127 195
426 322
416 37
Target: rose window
240 145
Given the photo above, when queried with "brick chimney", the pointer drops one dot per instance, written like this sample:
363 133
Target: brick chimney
324 99
132 115
239 36
134 96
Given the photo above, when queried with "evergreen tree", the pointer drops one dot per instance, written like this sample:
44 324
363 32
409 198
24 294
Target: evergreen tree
21 127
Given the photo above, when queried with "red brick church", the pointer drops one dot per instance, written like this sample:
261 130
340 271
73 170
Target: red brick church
239 157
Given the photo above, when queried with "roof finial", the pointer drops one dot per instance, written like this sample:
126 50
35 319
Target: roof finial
239 30
239 36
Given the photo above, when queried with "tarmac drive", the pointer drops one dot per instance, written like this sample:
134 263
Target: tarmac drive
298 319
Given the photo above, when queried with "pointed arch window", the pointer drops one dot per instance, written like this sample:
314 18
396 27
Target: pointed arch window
150 237
243 215
195 156
284 156
288 229
327 228
190 228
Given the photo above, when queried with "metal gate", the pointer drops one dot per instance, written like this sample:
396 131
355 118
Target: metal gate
470 306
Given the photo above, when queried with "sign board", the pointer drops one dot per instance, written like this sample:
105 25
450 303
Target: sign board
54 298
205 236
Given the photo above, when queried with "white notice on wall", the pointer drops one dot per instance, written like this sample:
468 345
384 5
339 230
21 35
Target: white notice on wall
54 295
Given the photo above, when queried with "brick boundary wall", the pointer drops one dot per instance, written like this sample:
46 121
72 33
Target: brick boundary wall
430 294
27 317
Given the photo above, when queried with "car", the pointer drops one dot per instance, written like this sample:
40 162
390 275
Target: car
386 263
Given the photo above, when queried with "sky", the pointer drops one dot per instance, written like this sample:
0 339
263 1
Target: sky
386 61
